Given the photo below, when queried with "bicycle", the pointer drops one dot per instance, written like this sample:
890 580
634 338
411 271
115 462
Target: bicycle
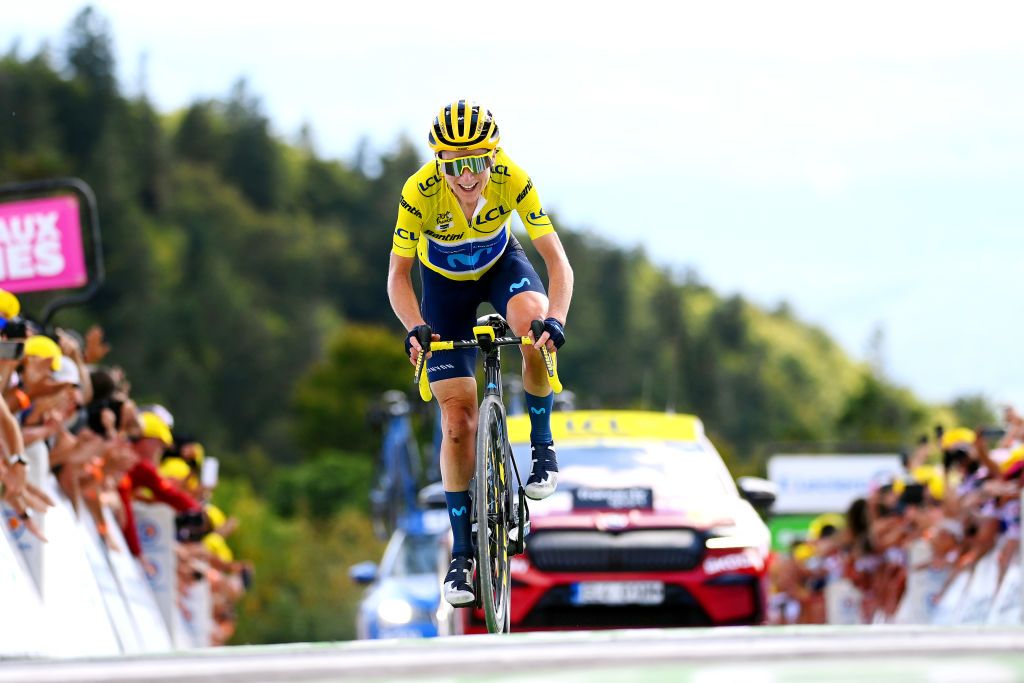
496 516
398 467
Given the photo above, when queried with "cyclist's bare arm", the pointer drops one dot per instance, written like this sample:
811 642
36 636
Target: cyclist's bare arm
560 278
403 297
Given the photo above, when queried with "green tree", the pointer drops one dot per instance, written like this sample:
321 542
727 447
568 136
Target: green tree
333 399
974 411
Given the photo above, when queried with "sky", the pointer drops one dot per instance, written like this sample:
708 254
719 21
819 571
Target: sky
863 162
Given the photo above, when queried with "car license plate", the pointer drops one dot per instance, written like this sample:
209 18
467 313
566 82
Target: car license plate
618 593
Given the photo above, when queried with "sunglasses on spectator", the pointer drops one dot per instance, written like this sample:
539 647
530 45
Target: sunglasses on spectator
475 164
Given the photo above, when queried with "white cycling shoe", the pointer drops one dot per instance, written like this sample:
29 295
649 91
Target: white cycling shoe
544 478
458 582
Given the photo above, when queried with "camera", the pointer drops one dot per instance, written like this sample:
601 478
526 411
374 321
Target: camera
11 350
15 329
913 494
190 526
95 413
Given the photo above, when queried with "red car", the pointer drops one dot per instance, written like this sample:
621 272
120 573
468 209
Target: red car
646 528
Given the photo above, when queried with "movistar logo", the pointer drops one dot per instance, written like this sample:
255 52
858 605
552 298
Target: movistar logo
492 385
538 411
458 512
454 260
519 285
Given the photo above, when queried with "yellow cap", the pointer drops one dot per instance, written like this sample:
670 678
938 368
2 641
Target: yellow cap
175 468
42 346
155 428
931 477
216 515
9 305
217 545
960 435
803 552
1016 455
821 521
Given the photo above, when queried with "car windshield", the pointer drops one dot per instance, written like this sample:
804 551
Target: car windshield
675 469
416 554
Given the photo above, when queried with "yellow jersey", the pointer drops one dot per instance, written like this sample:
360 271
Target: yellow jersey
431 223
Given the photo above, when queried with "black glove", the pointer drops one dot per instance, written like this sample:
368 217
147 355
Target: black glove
421 332
555 331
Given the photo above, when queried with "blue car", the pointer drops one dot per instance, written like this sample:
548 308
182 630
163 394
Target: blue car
403 594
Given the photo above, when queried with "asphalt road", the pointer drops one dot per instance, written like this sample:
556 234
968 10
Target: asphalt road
748 655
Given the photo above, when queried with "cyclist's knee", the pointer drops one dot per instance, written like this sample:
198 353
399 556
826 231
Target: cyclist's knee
525 308
459 418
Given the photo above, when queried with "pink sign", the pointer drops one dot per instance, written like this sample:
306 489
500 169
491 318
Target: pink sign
41 245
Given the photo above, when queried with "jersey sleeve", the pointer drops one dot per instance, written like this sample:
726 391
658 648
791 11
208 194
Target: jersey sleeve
527 202
410 221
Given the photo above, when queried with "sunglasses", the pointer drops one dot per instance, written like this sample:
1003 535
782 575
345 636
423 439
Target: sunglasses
475 164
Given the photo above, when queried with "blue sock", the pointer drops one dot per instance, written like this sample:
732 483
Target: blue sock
539 408
459 509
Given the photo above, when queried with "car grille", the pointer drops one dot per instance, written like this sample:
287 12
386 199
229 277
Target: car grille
555 610
629 551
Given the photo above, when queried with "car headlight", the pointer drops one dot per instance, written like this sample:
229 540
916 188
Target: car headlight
731 538
395 611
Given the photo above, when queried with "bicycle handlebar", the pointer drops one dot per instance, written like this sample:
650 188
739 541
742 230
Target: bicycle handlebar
550 362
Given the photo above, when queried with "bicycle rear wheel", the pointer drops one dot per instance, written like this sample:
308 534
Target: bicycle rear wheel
493 509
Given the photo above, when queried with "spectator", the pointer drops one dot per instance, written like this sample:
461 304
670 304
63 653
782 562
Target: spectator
956 505
60 408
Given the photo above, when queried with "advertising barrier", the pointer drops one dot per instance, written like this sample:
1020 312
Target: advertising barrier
22 629
813 484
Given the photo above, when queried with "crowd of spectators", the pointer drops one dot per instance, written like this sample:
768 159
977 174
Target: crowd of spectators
68 410
956 503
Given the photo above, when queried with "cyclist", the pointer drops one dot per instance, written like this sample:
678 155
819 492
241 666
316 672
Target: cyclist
455 216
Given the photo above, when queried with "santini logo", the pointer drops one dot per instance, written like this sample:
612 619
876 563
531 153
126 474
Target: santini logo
526 191
450 237
411 209
458 512
519 285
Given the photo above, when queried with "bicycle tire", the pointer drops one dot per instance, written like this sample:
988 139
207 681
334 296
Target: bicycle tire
493 511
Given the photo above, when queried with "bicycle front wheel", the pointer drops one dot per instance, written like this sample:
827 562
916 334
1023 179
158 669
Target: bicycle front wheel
493 507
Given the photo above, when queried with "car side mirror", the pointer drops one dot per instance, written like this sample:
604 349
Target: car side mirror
760 493
363 573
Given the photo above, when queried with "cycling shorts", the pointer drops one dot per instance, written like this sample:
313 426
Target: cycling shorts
450 306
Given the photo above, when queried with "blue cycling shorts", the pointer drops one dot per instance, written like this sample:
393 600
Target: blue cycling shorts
450 306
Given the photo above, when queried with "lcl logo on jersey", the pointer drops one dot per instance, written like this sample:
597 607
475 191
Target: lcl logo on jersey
491 215
538 218
500 174
430 186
